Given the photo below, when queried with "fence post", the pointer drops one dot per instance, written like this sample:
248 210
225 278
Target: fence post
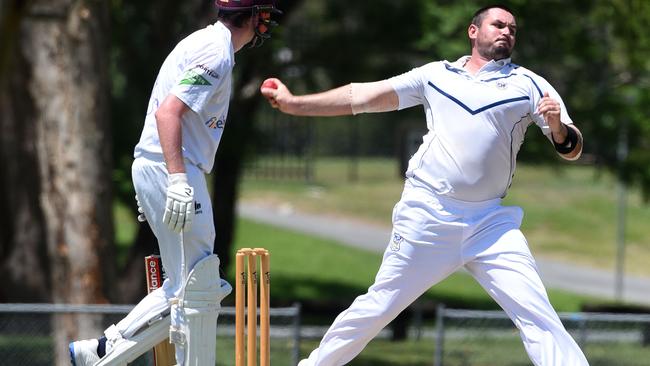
440 334
296 334
417 320
582 339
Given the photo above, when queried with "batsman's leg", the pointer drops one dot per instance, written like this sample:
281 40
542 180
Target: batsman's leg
125 350
196 312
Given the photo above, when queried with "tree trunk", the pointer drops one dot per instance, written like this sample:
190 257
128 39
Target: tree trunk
24 264
64 42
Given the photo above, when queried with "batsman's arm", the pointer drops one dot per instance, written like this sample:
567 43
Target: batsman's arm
169 122
349 99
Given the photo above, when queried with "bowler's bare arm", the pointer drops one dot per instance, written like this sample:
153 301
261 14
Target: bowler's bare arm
349 99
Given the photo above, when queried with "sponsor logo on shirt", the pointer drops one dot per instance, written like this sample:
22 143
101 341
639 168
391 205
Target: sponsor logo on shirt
193 78
215 123
501 84
207 70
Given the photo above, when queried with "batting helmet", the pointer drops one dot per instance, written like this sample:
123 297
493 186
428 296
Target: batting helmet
243 4
260 9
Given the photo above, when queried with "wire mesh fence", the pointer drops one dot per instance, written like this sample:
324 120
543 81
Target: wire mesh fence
284 149
27 339
490 338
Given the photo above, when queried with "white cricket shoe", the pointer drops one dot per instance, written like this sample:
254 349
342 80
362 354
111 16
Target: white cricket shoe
84 353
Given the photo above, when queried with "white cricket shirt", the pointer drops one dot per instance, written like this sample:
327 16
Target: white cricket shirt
476 125
199 72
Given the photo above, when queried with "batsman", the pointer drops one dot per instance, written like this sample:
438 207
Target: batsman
186 117
450 215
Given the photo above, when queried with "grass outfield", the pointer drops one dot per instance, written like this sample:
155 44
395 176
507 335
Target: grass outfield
309 269
481 352
570 211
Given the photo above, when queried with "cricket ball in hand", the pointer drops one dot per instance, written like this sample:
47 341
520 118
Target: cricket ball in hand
268 83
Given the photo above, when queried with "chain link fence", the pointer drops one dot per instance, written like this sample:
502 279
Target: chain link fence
26 336
476 338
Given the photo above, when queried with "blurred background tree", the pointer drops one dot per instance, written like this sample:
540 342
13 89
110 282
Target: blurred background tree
56 142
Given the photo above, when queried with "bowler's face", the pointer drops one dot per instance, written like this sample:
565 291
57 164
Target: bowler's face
495 38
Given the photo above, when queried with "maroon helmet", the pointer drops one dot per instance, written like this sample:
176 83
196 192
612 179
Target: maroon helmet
243 4
260 9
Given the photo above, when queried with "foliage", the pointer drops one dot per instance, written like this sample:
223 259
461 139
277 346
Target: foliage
326 44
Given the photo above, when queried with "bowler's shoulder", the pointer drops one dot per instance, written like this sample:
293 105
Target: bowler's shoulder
521 70
429 65
433 66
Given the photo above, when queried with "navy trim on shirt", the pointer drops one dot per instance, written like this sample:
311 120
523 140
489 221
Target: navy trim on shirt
536 86
484 108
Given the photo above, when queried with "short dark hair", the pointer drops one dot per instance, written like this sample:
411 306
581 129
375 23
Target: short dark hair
236 18
479 15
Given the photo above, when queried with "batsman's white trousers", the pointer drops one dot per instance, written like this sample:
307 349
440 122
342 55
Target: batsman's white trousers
150 182
432 238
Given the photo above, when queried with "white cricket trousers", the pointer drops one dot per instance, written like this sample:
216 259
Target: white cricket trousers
150 182
432 238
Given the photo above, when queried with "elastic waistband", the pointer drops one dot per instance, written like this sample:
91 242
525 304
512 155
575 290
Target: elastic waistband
467 205
447 201
158 158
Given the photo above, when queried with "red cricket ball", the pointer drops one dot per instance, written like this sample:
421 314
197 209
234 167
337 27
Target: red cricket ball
268 83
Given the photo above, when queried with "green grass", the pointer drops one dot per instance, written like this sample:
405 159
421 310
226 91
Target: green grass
483 351
569 211
371 197
309 269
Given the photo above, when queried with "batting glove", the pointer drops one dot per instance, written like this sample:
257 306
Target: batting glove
179 209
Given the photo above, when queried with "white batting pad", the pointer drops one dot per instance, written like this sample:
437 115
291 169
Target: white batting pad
199 308
127 350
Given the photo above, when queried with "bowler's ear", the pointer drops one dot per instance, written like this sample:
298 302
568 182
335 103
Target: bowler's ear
472 31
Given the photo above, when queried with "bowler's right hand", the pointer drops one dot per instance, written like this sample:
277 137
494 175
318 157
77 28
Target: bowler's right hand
276 93
179 208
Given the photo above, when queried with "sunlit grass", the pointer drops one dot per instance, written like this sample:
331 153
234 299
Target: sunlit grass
305 268
570 212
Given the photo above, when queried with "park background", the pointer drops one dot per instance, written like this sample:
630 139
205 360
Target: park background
75 78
